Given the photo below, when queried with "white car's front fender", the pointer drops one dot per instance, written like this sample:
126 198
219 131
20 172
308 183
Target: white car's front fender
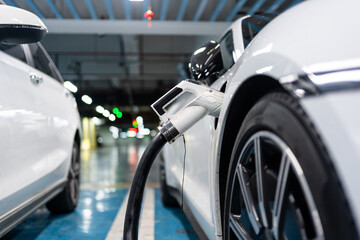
336 117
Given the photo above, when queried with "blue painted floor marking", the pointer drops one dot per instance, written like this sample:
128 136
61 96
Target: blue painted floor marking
171 223
91 220
94 216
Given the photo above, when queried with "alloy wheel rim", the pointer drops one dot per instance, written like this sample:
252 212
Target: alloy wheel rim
74 176
270 197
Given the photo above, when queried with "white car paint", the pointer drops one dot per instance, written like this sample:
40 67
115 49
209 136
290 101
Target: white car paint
27 18
302 38
328 113
38 124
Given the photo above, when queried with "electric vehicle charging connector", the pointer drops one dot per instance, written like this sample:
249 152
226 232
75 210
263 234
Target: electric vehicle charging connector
193 102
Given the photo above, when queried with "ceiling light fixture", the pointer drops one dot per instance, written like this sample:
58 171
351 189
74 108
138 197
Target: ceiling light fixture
112 117
96 121
71 87
106 113
99 109
86 99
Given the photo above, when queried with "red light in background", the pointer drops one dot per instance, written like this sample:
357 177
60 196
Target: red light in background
133 130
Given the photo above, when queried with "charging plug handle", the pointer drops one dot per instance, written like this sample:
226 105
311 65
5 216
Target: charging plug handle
189 94
202 101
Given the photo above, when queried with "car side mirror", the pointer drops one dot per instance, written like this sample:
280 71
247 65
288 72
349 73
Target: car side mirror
18 26
206 62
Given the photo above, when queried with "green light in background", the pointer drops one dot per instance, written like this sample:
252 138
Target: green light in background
116 111
119 114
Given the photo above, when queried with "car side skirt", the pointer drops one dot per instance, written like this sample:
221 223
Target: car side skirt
199 231
10 219
174 192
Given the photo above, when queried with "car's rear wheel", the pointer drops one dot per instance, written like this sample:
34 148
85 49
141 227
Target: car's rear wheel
67 200
281 184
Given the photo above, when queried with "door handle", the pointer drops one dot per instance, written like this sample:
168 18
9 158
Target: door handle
36 79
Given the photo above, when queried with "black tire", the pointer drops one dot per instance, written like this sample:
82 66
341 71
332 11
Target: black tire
167 199
67 200
281 181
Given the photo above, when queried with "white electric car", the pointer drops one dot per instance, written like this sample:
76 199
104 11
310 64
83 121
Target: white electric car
282 160
39 124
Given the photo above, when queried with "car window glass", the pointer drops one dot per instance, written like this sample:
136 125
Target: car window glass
13 50
227 50
41 62
251 27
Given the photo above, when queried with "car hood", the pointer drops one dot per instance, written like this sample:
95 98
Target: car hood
312 33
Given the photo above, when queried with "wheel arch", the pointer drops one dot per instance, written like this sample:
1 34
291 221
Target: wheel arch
243 100
77 137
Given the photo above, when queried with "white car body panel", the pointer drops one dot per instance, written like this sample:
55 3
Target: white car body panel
198 196
19 131
175 169
296 42
27 18
328 113
38 125
39 120
304 38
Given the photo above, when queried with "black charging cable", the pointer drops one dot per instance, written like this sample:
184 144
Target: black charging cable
131 224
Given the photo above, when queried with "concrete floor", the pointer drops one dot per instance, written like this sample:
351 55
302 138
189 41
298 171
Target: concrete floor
106 175
115 166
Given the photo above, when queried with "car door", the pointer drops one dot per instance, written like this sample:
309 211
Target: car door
200 139
198 142
57 105
21 125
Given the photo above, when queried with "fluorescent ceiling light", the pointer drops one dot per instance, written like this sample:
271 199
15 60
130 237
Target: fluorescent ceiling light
106 113
113 129
115 135
96 121
140 120
99 109
136 0
86 99
144 131
71 87
112 117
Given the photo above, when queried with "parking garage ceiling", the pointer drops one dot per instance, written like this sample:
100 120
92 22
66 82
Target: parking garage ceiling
171 17
106 49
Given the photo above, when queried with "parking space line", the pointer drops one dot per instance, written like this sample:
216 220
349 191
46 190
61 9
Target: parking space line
147 221
116 230
117 186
